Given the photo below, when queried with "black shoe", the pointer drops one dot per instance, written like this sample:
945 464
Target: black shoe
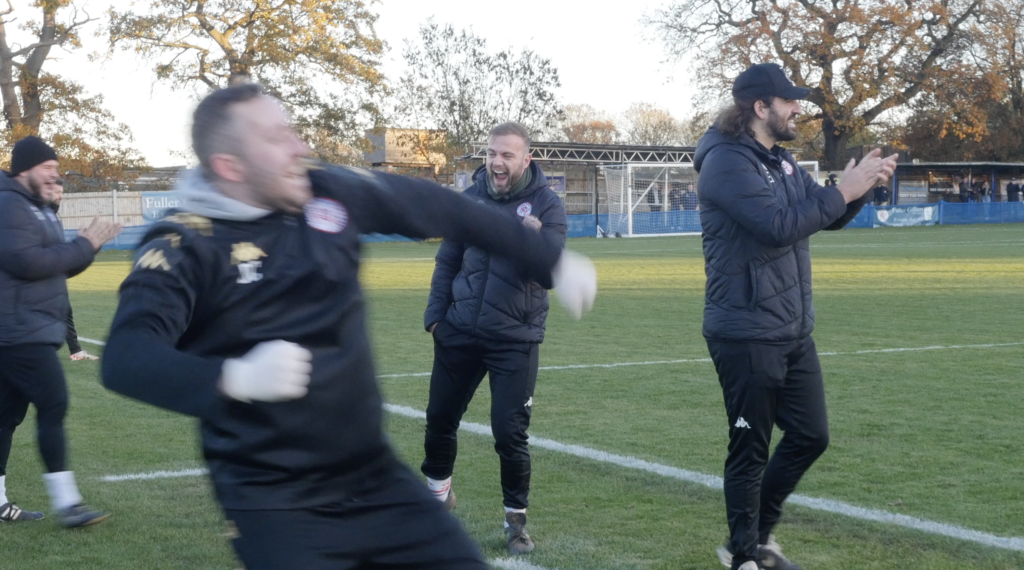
772 558
518 541
769 555
80 515
9 512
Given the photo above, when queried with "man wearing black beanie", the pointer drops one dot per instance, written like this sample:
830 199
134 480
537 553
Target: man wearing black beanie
35 263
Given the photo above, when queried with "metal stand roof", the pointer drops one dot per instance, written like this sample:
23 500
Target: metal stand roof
600 153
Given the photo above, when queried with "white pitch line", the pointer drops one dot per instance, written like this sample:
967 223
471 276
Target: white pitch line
711 481
691 360
154 475
513 564
705 360
92 341
715 482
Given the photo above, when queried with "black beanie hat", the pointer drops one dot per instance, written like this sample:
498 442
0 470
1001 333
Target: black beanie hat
29 152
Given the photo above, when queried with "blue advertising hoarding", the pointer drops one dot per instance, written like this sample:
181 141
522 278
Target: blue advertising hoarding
155 204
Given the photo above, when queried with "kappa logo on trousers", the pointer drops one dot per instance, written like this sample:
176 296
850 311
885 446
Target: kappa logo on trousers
742 423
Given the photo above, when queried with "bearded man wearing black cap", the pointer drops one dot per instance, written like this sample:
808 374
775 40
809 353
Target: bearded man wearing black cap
758 209
35 263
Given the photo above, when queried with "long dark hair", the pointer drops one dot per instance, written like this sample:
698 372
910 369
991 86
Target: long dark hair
734 120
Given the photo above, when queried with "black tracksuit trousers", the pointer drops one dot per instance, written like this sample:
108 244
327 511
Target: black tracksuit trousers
71 336
766 385
31 373
396 525
460 362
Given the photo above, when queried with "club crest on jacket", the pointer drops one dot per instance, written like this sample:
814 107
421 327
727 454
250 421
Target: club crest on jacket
326 215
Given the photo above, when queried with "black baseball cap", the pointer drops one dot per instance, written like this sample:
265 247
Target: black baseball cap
765 80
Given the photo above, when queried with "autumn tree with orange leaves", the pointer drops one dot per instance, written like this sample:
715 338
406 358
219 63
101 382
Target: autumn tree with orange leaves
582 123
87 138
860 58
320 57
980 115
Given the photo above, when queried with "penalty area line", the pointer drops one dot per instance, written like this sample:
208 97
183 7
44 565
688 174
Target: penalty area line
715 482
709 481
707 360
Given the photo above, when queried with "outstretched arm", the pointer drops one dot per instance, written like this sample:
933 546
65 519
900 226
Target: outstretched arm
417 208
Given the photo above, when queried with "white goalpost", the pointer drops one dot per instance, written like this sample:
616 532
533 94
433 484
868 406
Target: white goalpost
660 199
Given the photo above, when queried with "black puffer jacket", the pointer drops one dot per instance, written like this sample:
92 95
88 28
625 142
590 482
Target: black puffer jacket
757 210
35 263
484 296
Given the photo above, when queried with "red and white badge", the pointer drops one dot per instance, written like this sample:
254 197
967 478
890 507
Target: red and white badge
524 209
326 215
786 166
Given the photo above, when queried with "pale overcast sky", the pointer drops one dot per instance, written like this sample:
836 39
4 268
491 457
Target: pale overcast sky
599 48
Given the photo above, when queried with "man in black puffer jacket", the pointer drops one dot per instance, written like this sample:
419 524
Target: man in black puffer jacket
758 209
486 317
35 263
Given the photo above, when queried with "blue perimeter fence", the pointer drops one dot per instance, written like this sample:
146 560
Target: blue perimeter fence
688 221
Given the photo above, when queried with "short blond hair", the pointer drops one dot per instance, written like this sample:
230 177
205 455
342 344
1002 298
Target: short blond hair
511 128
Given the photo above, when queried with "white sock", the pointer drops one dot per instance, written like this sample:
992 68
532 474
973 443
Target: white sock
63 490
3 490
511 510
439 488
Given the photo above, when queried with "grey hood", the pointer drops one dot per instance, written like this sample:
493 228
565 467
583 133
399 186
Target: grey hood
200 197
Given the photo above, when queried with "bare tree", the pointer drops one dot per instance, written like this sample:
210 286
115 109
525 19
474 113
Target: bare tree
585 124
455 85
648 124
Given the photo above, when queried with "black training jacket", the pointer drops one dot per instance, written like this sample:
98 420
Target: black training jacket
207 288
35 263
758 209
483 295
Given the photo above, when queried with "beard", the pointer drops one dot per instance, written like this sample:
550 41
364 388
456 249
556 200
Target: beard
778 127
511 180
38 188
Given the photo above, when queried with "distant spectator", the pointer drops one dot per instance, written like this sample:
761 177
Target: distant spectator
975 190
881 197
965 192
985 192
1013 190
56 189
689 200
675 199
831 180
654 197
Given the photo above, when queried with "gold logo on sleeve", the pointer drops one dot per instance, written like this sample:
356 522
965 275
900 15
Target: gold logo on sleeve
245 251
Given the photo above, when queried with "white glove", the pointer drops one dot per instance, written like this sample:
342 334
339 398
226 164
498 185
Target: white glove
575 279
272 371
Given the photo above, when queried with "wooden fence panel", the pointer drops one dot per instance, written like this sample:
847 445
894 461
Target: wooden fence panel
78 209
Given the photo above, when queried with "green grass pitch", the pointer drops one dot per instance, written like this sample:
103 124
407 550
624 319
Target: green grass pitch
934 434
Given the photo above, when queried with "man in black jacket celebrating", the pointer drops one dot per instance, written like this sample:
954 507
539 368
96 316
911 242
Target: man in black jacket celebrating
758 209
75 350
35 263
244 309
487 318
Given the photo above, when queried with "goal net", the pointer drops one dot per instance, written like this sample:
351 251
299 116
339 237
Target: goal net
651 199
655 199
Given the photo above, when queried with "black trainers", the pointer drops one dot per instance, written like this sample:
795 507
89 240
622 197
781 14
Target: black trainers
518 541
80 515
769 554
449 501
9 512
772 558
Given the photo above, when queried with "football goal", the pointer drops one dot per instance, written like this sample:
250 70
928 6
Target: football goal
655 199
